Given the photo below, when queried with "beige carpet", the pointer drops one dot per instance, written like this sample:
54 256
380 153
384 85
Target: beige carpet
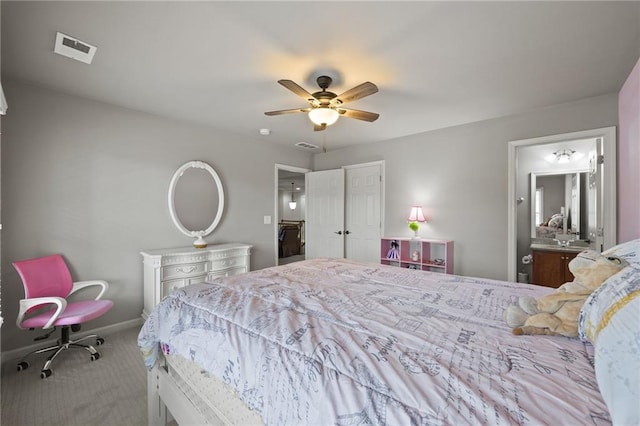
109 391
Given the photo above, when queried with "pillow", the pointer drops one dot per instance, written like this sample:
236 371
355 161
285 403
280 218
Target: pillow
556 221
609 319
629 251
605 302
617 364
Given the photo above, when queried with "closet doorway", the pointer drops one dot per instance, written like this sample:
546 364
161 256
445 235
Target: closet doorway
290 214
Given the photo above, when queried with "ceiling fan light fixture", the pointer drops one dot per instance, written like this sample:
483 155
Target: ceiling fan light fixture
323 116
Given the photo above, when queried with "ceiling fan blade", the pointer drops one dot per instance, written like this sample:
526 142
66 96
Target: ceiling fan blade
358 115
319 128
295 88
358 92
287 111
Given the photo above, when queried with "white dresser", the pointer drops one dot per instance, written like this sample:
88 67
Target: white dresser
168 269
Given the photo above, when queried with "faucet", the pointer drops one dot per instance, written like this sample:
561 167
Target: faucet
563 240
562 243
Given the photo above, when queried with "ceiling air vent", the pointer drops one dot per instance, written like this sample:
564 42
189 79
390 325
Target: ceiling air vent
74 48
306 145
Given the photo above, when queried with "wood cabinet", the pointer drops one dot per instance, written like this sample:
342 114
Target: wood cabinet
422 254
551 267
168 269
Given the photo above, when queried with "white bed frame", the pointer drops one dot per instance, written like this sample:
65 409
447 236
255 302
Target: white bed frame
166 401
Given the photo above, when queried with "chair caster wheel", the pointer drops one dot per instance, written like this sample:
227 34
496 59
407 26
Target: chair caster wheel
45 373
23 365
99 341
95 356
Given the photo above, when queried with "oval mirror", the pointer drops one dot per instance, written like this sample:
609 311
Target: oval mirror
196 200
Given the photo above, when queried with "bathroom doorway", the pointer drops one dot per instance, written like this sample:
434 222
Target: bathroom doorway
528 159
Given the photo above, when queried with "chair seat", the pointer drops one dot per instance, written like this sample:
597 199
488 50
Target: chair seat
74 313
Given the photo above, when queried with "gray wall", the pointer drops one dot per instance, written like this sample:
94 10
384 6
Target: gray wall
459 175
90 181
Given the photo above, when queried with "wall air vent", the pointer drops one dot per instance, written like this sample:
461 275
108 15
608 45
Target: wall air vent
74 48
306 145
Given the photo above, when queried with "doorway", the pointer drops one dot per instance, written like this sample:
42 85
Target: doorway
526 162
290 214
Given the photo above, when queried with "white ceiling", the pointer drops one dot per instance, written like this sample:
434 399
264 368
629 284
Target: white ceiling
437 64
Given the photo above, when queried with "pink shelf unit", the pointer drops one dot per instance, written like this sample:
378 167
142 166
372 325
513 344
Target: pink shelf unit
422 254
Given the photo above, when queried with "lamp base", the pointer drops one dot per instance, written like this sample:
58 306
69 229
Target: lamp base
415 236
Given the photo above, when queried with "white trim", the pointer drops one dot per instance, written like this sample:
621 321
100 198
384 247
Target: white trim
534 188
537 212
103 331
369 164
609 141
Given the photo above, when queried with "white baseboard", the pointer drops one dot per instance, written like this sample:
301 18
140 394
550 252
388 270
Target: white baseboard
102 331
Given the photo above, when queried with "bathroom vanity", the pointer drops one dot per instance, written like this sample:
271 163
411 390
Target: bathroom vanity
551 264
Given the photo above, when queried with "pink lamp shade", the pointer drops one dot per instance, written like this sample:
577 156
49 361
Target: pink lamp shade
416 215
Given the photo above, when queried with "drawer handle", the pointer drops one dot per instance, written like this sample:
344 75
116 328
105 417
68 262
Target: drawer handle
185 270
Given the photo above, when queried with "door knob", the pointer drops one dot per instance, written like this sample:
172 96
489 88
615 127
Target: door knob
339 232
347 232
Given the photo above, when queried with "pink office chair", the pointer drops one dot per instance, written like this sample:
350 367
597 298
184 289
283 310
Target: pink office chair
47 281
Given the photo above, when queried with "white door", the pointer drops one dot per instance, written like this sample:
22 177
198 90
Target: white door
325 214
363 220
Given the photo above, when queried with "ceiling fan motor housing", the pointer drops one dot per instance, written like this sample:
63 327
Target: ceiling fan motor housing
324 96
324 81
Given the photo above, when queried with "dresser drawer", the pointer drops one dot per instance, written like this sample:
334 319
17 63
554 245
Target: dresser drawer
231 262
226 272
170 285
183 271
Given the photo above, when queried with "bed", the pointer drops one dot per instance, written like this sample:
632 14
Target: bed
550 227
548 231
331 341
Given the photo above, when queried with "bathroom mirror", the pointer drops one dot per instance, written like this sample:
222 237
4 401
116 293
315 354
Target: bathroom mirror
554 193
196 200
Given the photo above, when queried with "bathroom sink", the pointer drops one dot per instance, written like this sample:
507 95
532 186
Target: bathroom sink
570 246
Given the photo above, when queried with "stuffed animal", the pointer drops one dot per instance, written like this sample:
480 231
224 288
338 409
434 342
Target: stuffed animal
557 313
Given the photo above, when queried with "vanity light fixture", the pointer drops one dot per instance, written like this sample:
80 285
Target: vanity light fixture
563 156
323 116
416 216
292 203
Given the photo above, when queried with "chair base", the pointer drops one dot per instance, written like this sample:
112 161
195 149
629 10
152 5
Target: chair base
64 343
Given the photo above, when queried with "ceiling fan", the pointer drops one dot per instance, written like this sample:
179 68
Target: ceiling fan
325 106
